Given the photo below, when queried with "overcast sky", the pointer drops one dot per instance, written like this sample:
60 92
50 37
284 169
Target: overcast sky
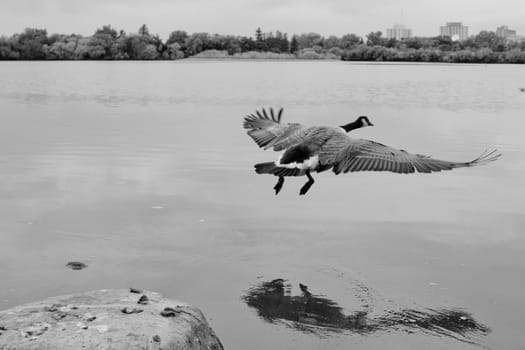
242 17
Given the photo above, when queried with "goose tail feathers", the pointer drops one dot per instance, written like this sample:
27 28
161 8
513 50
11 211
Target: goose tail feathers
265 168
272 168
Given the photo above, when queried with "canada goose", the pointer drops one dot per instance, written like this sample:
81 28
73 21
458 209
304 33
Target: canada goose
319 148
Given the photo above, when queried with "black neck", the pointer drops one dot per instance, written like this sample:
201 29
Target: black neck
352 126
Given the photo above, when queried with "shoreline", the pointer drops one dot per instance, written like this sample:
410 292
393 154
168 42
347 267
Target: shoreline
194 58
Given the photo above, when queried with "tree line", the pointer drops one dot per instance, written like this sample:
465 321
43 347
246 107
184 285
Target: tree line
108 43
485 47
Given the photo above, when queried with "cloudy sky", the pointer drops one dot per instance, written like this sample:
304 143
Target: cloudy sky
242 17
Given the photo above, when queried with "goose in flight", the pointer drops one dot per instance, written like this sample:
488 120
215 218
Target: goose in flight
319 148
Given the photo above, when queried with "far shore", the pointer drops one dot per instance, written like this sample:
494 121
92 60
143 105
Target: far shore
108 44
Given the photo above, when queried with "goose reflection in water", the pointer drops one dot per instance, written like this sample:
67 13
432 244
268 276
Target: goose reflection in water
319 315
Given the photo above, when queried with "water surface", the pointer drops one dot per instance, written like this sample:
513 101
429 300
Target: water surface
142 170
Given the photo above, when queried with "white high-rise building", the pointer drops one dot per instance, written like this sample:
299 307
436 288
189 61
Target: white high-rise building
455 30
506 33
398 32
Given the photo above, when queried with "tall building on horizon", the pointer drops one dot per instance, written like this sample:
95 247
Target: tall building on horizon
398 32
455 30
505 32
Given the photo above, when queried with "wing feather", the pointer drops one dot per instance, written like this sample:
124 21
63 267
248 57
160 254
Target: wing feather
364 155
267 131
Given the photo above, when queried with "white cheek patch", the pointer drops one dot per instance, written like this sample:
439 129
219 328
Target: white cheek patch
309 164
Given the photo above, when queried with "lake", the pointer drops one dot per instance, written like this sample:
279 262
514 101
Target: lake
143 171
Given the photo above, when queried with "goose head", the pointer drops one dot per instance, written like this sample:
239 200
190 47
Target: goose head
360 122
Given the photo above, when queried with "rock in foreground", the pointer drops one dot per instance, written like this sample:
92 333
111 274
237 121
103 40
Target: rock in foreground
106 319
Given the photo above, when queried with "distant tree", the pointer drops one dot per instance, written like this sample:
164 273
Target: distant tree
103 44
96 52
247 44
260 40
335 45
375 38
143 30
124 47
258 35
294 45
276 43
140 46
285 43
130 46
51 39
514 56
281 42
157 42
148 52
174 51
198 42
444 43
82 49
64 48
177 36
107 30
410 43
309 40
336 51
30 44
227 43
486 39
349 41
6 50
332 41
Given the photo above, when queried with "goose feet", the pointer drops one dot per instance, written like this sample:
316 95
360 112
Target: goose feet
307 185
279 185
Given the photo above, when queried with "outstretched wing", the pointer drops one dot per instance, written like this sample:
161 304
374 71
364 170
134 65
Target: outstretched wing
365 155
267 131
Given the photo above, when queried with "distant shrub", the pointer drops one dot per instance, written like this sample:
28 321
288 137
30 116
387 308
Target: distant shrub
311 54
336 51
250 55
257 55
212 54
515 56
173 51
149 52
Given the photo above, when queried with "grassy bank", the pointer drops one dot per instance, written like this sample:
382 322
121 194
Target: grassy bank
256 55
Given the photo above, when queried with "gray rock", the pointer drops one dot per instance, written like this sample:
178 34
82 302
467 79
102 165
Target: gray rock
95 320
76 265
